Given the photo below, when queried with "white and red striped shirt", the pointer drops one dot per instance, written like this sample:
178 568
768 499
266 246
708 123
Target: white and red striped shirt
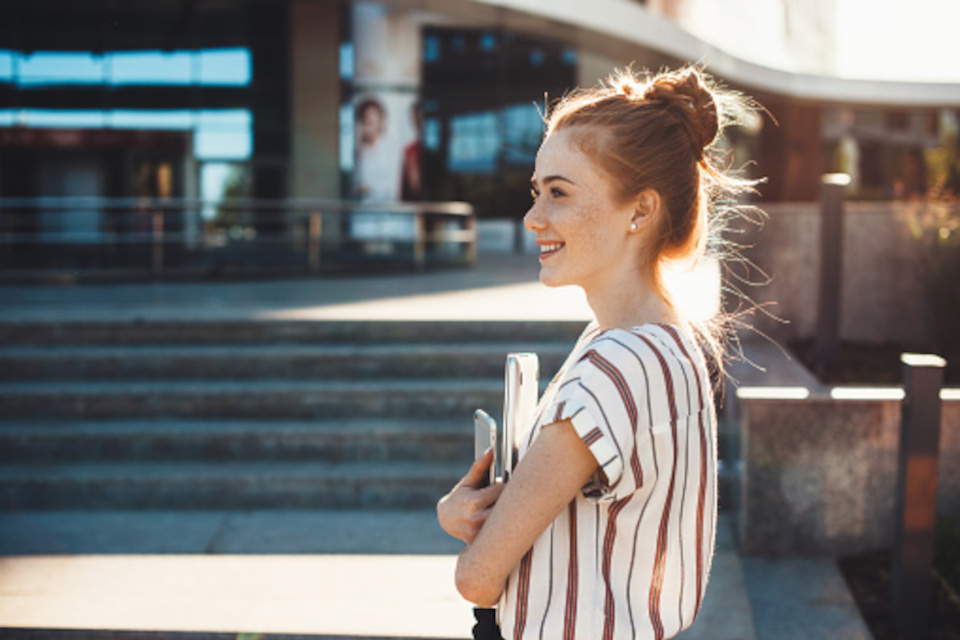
629 557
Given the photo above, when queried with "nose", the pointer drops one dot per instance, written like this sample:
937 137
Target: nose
533 220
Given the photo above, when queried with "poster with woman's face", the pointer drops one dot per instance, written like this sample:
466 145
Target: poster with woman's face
386 79
384 128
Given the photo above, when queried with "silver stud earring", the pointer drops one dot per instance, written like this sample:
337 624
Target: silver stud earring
633 226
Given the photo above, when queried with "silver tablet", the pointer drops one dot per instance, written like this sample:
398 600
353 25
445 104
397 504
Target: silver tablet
521 392
485 437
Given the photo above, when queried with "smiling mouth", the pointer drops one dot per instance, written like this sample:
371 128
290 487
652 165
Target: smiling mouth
547 250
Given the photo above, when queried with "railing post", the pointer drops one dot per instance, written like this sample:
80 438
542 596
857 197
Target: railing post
419 240
916 505
314 231
470 226
158 242
827 338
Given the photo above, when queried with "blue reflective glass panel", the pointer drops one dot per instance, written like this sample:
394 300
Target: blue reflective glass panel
346 61
223 134
150 67
211 67
6 66
172 120
431 48
347 139
474 143
523 129
60 68
225 67
57 119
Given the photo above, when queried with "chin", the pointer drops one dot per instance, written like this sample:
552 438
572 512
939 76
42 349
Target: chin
551 278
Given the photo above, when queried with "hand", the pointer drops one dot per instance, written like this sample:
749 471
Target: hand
463 511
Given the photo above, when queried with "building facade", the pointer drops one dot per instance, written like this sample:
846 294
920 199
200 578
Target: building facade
418 100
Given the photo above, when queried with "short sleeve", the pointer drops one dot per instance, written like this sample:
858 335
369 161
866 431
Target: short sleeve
600 396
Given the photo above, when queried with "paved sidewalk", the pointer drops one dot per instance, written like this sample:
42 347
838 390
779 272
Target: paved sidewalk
333 574
497 288
351 574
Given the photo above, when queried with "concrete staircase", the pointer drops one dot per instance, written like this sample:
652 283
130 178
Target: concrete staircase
249 415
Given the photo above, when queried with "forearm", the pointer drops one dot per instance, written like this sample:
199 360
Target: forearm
474 581
532 499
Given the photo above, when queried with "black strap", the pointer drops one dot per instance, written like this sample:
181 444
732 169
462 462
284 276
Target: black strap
486 627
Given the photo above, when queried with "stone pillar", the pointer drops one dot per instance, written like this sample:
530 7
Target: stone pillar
315 90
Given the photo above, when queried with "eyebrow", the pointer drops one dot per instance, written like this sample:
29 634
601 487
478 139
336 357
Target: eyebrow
549 179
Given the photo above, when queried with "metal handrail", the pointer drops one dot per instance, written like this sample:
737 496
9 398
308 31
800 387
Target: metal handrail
298 221
303 204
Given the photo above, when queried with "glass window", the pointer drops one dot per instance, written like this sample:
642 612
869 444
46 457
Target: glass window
6 66
431 134
210 67
474 143
217 133
346 137
346 61
523 126
60 68
53 119
223 134
221 181
151 67
168 120
431 48
225 67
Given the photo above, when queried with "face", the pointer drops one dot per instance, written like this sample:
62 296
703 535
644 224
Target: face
371 125
582 228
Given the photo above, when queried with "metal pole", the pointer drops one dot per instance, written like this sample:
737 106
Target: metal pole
315 228
470 226
827 338
419 240
916 505
158 242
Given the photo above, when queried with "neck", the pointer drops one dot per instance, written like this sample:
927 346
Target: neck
629 301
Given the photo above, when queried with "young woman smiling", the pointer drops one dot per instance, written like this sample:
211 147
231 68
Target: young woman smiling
607 526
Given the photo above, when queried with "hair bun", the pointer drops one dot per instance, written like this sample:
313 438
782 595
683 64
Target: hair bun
626 84
689 97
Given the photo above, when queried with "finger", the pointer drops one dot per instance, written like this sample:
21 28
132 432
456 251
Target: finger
477 521
487 496
479 469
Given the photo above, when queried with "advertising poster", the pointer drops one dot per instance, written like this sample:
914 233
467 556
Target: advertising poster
386 49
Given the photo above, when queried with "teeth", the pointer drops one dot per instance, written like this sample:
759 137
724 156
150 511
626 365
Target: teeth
546 248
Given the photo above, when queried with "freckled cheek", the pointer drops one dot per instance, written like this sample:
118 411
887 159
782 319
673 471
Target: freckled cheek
583 233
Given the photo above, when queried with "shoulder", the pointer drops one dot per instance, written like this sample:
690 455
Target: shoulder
646 359
648 345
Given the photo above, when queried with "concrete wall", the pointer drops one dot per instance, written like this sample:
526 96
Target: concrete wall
819 475
882 300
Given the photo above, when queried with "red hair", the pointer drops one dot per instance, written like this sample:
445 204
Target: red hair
660 133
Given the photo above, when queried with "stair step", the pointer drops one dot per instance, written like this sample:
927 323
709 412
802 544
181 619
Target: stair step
251 485
235 440
451 399
246 362
280 332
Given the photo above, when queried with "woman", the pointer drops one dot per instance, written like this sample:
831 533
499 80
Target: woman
606 528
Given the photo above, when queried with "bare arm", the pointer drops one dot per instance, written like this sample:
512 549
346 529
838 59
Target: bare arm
463 511
550 475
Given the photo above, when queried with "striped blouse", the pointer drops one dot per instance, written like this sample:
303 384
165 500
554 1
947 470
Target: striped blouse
629 556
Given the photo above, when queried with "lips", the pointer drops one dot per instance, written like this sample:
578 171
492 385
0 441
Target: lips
548 249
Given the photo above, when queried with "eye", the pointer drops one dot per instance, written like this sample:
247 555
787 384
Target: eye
534 193
556 192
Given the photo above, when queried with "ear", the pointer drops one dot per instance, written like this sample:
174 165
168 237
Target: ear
646 206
